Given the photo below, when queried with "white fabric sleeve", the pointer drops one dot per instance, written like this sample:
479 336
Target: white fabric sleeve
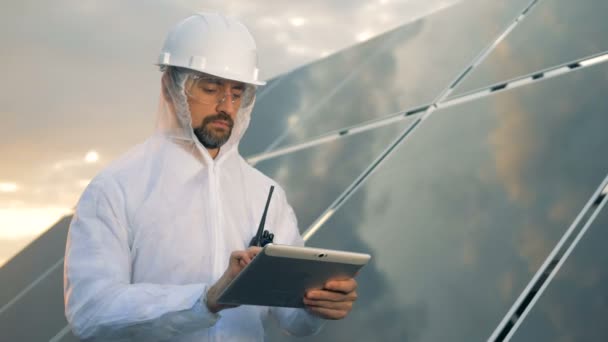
296 322
100 301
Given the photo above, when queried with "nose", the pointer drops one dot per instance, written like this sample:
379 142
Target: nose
226 105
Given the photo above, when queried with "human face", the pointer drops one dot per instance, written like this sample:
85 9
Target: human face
214 104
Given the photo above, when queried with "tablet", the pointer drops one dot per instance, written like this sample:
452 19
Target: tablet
280 275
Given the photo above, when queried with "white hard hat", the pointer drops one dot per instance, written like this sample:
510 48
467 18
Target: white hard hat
213 44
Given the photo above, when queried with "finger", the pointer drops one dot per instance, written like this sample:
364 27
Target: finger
344 306
245 258
239 256
332 296
344 286
326 313
253 251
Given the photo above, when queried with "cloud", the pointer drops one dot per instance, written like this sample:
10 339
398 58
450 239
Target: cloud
8 187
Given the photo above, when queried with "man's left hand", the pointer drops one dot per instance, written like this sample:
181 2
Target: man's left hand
334 301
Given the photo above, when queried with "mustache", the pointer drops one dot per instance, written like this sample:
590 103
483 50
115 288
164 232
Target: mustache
219 116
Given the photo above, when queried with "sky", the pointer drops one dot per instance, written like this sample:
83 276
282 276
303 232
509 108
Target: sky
80 88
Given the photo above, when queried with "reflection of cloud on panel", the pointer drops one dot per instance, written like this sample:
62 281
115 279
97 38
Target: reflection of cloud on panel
589 277
512 141
293 120
504 51
469 252
557 316
505 286
560 210
282 174
533 246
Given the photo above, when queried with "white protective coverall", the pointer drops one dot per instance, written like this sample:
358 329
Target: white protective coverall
155 229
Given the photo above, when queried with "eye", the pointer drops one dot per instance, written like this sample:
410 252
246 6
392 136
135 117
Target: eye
208 86
209 90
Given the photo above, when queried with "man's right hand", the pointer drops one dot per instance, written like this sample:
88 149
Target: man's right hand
238 261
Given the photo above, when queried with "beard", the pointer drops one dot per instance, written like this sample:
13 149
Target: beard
212 138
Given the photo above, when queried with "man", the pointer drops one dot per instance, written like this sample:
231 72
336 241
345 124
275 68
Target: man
159 233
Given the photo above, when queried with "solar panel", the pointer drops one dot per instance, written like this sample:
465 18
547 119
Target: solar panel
554 32
405 68
460 217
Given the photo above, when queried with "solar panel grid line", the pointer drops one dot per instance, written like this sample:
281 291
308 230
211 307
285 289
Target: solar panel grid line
317 224
599 58
61 334
557 267
556 250
31 286
253 160
339 133
495 43
520 81
556 72
411 128
484 53
336 134
464 99
392 118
